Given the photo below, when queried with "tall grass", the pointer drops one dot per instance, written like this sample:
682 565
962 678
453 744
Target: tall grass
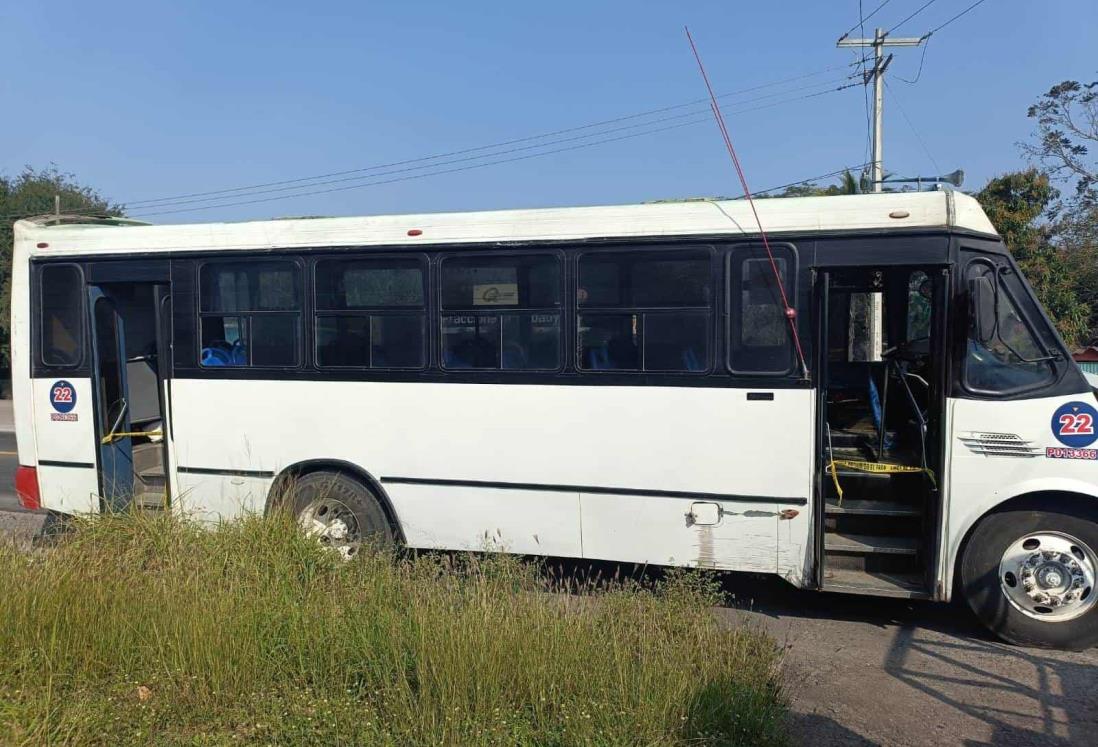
146 630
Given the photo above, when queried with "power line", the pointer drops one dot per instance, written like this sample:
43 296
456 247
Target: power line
865 78
922 7
420 165
954 18
699 118
481 148
922 61
862 19
808 180
903 111
936 29
811 179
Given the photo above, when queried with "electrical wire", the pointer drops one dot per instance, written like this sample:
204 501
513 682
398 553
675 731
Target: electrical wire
699 118
830 86
954 18
922 7
922 61
903 111
926 39
807 180
865 81
481 148
811 179
862 19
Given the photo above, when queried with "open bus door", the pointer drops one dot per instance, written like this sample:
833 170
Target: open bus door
129 345
881 405
110 390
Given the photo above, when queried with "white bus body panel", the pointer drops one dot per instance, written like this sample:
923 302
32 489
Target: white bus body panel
978 481
731 218
70 438
542 445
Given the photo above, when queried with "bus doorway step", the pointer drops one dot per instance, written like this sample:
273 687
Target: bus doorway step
878 584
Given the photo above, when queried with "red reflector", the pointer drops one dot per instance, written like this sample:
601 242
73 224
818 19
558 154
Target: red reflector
415 232
43 245
26 487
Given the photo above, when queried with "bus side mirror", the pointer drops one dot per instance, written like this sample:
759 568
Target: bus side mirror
983 308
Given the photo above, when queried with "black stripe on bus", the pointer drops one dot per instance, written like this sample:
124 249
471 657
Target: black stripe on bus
600 490
60 463
230 472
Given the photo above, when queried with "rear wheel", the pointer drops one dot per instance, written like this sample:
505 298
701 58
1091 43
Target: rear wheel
340 512
1031 577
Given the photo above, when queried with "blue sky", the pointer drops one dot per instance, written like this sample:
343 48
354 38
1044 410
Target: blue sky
151 99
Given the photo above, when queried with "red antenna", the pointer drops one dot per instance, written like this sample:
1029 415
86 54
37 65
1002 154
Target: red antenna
790 312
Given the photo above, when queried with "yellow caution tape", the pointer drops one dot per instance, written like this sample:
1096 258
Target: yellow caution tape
879 468
835 479
110 438
876 467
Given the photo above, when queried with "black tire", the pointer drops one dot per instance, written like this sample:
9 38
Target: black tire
340 490
983 590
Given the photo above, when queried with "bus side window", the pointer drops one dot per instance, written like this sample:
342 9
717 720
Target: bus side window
1005 355
62 294
645 311
501 312
759 336
250 313
371 313
919 306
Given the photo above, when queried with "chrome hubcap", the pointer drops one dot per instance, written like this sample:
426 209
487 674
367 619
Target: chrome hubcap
333 525
1049 576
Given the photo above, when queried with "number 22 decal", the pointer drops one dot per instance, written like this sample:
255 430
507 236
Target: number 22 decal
1073 424
63 396
1076 425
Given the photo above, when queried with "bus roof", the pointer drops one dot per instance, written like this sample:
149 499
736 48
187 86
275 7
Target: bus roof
905 211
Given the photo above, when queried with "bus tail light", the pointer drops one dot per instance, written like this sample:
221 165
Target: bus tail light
26 487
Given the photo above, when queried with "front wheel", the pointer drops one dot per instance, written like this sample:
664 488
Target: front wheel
340 512
1030 576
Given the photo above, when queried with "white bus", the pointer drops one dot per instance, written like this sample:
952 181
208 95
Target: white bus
616 383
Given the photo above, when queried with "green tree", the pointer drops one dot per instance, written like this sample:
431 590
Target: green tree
848 185
1016 203
1065 144
31 193
1067 137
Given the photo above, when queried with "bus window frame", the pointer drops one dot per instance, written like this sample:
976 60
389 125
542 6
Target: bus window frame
712 310
38 316
302 310
1024 309
315 313
737 255
437 310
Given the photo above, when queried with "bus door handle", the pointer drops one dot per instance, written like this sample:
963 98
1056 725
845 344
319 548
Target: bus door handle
704 514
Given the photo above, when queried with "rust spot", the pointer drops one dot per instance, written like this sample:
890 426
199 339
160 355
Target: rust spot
789 513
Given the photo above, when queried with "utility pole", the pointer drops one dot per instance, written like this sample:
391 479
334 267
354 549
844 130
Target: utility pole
879 41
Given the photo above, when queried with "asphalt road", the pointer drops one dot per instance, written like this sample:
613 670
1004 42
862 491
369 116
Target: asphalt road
866 671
